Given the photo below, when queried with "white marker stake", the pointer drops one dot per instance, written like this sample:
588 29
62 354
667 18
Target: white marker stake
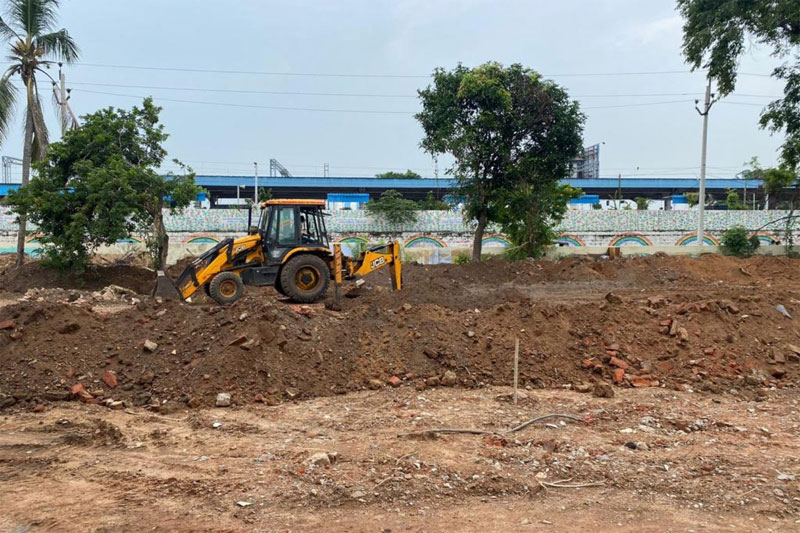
516 369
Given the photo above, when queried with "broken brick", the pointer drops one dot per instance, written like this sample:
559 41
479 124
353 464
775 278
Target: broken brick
109 378
619 375
76 389
619 363
394 381
7 324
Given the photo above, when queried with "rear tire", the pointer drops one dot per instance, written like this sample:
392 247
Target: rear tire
305 278
225 288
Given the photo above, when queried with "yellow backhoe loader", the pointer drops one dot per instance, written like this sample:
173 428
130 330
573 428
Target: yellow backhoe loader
289 250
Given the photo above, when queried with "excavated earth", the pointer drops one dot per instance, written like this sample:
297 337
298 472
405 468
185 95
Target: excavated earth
681 374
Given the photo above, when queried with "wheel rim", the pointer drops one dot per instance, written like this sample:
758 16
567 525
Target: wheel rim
227 288
307 278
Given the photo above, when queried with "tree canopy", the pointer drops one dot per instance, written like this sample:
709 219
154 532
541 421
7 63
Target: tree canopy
391 174
506 127
393 208
101 183
718 32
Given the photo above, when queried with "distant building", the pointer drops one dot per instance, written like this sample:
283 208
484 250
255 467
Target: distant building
588 165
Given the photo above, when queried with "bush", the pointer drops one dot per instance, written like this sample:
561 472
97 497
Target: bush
736 242
461 260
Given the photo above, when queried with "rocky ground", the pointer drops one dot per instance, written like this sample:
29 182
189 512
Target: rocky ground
678 375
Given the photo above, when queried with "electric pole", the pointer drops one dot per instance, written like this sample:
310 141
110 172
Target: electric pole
255 192
63 100
702 192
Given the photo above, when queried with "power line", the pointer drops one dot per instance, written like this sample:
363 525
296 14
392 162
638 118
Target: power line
228 104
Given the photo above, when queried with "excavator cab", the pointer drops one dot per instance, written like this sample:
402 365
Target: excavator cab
288 249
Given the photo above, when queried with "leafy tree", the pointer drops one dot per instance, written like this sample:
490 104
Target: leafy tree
692 198
35 44
505 127
264 194
101 183
528 213
408 175
718 32
430 203
642 203
733 202
393 208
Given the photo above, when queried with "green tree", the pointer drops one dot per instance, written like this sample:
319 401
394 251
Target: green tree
735 241
718 32
393 208
29 28
391 174
528 213
101 183
264 194
733 202
505 128
430 203
692 198
642 203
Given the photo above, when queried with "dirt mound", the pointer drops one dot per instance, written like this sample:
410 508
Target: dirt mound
96 277
714 337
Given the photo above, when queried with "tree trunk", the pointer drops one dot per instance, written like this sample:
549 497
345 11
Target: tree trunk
161 238
26 174
477 243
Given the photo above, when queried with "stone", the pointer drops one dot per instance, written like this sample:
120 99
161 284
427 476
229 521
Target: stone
149 346
223 400
429 352
619 363
7 324
322 459
85 397
470 334
406 307
110 379
656 302
241 339
673 328
375 384
449 378
147 377
603 390
619 375
259 398
357 494
432 381
420 385
683 335
613 298
116 405
779 357
17 335
193 402
394 381
39 408
583 387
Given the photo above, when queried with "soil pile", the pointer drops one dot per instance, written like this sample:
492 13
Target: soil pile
33 275
679 334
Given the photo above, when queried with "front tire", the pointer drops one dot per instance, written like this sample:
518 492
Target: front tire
305 278
225 288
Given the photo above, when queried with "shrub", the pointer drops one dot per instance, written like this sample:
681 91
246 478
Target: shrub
736 242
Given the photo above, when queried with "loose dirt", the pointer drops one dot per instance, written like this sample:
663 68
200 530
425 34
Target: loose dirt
679 337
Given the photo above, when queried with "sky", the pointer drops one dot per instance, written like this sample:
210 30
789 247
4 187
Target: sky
369 57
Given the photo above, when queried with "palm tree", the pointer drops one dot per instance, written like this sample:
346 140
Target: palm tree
35 46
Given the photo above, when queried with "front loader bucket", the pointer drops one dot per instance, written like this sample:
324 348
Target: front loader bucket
165 288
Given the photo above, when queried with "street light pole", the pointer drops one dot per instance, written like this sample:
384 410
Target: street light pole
702 192
255 193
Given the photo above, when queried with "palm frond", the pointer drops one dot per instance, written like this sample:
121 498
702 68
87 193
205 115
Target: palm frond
8 99
34 17
7 32
60 45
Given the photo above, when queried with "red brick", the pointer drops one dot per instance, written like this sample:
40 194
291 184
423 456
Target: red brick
85 397
587 363
644 382
17 335
7 324
77 389
619 363
109 378
619 374
394 381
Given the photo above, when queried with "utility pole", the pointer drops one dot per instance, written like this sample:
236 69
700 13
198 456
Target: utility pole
701 203
63 100
255 192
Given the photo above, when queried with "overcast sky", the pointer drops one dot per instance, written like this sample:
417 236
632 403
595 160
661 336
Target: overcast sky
570 41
